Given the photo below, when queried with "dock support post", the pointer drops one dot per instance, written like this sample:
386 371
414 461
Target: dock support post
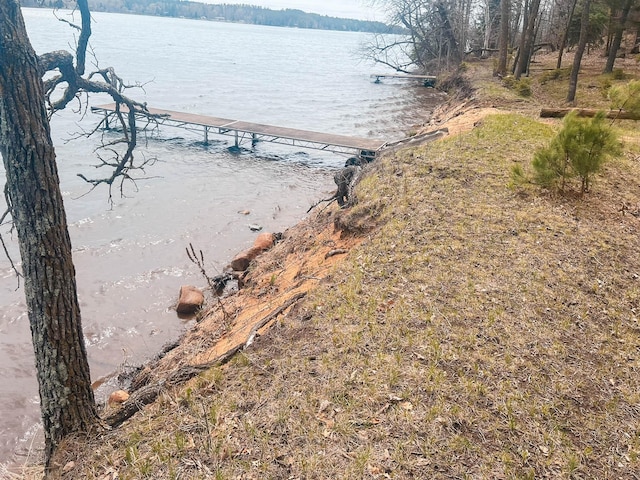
206 135
254 139
237 140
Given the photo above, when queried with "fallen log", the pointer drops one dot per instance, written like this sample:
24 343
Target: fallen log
588 112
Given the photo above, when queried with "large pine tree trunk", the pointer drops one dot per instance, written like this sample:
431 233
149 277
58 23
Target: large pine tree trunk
565 35
503 42
524 56
617 37
66 397
582 44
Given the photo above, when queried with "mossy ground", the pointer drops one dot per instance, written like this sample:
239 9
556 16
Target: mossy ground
480 330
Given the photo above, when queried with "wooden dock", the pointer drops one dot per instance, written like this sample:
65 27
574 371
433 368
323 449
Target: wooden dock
427 80
255 132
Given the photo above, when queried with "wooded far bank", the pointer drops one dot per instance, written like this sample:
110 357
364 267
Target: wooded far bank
249 14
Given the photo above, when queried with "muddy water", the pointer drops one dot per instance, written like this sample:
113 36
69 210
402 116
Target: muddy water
130 255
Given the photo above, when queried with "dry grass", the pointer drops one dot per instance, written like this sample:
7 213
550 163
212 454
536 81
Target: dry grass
481 330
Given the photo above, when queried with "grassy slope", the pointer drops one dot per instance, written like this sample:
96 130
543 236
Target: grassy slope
480 331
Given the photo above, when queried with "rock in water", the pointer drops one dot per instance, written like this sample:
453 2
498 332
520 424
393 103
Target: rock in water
191 299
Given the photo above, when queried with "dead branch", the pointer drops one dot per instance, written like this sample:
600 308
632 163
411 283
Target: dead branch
13 265
333 253
217 283
273 315
330 199
69 83
4 246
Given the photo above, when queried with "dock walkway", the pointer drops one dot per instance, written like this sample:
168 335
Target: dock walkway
427 80
255 132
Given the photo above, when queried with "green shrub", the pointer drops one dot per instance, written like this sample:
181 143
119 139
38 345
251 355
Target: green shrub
509 81
626 97
580 148
557 74
618 74
518 176
522 87
605 85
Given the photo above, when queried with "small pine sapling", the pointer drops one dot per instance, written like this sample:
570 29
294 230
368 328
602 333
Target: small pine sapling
598 141
580 148
626 97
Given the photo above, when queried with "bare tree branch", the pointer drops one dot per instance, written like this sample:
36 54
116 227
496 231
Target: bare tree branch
13 265
69 83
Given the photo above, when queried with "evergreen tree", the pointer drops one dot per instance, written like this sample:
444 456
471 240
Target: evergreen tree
580 148
626 97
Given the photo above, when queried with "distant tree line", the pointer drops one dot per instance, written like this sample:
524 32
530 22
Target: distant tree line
224 12
442 33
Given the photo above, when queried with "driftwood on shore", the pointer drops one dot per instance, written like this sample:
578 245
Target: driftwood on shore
587 112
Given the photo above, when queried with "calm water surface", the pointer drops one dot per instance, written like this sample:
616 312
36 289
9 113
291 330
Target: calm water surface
130 257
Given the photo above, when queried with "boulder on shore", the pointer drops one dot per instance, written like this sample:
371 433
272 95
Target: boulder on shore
119 396
263 242
191 299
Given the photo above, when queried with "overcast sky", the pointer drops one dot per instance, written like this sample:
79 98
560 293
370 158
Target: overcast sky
360 9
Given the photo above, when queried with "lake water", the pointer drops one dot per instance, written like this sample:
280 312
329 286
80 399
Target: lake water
130 256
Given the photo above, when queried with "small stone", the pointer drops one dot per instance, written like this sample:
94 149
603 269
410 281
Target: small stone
244 212
255 228
69 466
119 396
191 299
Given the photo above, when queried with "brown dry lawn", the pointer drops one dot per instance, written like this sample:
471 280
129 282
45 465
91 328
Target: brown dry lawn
472 328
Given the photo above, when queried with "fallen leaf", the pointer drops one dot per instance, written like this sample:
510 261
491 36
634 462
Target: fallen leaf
324 404
69 466
373 470
407 406
110 474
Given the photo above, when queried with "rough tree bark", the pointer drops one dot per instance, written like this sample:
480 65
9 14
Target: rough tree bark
503 42
36 207
582 44
565 35
617 38
524 55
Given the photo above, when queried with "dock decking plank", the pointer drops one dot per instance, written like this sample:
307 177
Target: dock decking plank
407 76
225 124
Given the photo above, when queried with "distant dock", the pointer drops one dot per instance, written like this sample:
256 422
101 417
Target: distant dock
427 80
244 132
